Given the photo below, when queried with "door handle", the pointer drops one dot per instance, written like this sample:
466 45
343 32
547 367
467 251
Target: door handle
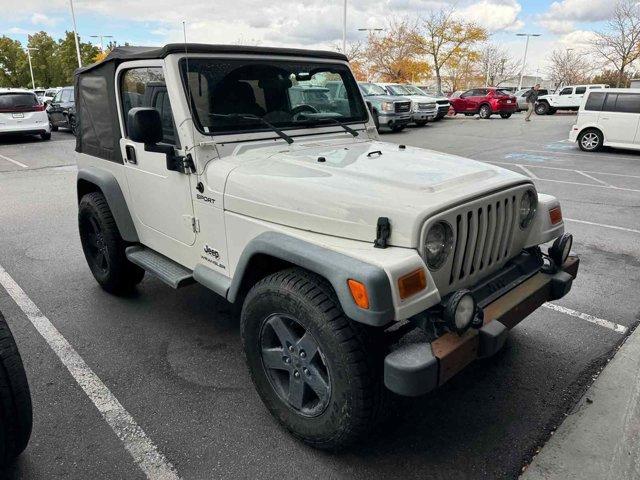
605 118
131 154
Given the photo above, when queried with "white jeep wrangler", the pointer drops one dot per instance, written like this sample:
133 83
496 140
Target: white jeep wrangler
564 98
357 264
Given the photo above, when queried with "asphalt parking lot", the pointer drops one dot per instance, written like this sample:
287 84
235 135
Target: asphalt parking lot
173 359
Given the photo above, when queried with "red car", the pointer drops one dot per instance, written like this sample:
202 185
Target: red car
485 102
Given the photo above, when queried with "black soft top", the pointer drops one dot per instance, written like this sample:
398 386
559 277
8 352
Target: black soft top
122 54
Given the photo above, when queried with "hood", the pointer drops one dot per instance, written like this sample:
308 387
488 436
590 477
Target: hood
357 183
386 98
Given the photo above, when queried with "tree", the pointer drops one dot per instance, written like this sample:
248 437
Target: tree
357 59
46 72
444 38
620 43
396 55
497 64
68 58
612 77
567 67
463 71
14 66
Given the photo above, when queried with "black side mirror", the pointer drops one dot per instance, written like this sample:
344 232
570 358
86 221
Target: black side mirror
144 125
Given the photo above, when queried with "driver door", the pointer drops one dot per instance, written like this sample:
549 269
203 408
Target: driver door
161 198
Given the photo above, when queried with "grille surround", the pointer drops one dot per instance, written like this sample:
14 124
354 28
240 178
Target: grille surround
402 107
476 225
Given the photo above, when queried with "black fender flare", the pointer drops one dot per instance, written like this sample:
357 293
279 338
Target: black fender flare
106 182
335 267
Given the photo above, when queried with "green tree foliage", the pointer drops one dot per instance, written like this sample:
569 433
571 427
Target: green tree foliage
53 61
14 67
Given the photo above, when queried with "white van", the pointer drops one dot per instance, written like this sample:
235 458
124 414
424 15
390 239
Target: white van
608 118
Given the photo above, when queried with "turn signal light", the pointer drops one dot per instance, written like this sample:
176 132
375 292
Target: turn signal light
555 215
412 283
359 293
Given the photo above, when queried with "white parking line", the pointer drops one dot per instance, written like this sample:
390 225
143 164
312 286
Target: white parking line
13 161
145 454
563 169
604 225
589 318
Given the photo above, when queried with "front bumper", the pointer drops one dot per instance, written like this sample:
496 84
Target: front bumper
422 115
573 134
418 368
394 119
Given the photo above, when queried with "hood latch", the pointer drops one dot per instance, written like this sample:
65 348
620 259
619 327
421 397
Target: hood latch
383 232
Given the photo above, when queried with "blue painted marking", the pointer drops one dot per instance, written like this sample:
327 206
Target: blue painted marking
527 157
560 146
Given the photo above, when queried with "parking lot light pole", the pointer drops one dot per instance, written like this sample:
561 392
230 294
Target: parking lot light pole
33 82
526 49
344 28
75 33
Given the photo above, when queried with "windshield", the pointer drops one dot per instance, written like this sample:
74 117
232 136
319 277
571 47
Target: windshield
241 95
413 90
371 89
399 89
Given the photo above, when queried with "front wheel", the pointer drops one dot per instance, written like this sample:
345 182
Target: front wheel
421 123
485 112
542 108
398 128
590 140
103 246
314 369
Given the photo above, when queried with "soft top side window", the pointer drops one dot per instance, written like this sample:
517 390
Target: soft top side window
567 91
580 90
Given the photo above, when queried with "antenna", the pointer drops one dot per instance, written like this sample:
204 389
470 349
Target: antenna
190 99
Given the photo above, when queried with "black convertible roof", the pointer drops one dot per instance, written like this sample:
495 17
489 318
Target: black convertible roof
122 54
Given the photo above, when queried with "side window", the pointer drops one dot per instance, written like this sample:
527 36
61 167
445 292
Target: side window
58 97
580 90
595 101
628 103
567 91
145 87
594 87
466 94
66 95
610 103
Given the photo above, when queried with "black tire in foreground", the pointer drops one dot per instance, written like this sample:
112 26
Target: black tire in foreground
485 112
16 415
590 140
316 371
103 246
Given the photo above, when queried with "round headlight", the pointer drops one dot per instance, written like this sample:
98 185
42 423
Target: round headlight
459 311
527 208
438 245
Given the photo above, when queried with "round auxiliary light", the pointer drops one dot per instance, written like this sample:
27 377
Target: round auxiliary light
527 210
459 311
438 244
561 248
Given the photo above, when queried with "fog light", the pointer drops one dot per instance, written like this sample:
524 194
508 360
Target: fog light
559 251
459 311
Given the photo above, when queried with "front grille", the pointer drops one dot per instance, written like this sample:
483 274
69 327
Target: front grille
483 238
402 107
442 102
426 106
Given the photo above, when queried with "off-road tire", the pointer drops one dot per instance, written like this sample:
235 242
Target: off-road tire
590 140
353 359
15 399
421 123
505 115
99 234
542 108
485 112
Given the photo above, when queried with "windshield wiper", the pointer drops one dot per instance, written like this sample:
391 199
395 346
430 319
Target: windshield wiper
331 119
248 116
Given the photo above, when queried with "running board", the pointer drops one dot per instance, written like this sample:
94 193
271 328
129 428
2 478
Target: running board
170 272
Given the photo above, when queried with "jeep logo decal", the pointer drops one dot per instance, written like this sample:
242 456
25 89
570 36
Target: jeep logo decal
211 251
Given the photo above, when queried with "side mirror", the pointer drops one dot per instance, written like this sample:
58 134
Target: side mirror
144 125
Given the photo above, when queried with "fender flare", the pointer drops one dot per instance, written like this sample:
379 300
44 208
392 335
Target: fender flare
107 183
335 267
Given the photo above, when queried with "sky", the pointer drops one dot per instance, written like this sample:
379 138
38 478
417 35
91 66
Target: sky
304 23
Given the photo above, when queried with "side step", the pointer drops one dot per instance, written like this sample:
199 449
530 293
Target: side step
170 272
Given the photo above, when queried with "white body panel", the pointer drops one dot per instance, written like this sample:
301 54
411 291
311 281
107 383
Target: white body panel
570 96
18 121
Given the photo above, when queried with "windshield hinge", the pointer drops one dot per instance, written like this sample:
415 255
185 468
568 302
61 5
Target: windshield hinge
383 232
195 224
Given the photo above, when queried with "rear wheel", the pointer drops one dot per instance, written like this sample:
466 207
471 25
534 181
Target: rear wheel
45 136
421 123
485 112
15 400
590 140
542 108
314 369
103 246
505 115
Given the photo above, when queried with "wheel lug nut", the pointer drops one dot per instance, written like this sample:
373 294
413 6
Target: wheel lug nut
306 371
303 354
291 348
287 360
296 374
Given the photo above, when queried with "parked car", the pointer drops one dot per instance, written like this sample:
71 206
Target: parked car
16 413
423 108
49 95
62 111
564 98
485 102
608 118
388 111
21 113
324 237
39 93
521 99
442 102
